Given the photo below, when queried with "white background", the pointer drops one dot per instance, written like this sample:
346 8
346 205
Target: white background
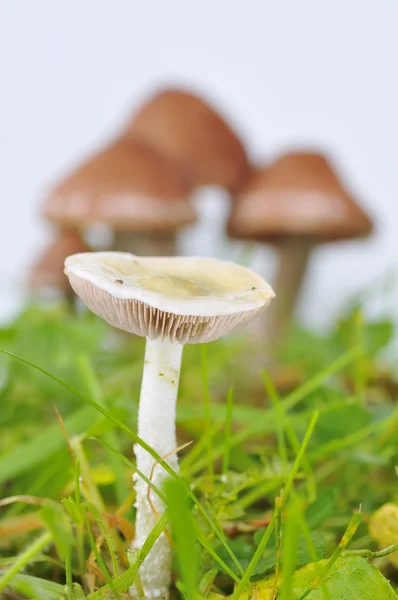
287 72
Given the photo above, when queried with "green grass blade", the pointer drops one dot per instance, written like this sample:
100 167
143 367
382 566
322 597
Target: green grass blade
228 430
352 439
36 588
24 559
345 540
79 521
288 488
139 441
290 539
315 382
68 575
209 549
184 536
279 418
109 536
300 455
126 580
128 462
100 561
314 555
265 419
201 445
290 433
94 391
207 409
24 456
100 409
253 563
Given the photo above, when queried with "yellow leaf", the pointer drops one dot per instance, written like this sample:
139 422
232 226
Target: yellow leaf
102 474
383 527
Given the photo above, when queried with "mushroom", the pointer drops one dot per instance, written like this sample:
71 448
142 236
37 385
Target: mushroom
47 273
182 125
141 195
171 302
295 203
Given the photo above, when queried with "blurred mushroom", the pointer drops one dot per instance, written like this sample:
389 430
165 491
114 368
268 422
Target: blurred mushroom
47 275
184 126
133 189
171 302
295 203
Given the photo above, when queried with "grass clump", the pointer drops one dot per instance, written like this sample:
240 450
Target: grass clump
281 471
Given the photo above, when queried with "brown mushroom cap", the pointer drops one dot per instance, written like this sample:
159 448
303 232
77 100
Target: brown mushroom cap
48 270
299 194
183 126
126 186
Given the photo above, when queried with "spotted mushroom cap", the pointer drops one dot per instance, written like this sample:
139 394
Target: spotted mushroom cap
189 300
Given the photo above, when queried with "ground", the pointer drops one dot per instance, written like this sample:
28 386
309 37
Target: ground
287 483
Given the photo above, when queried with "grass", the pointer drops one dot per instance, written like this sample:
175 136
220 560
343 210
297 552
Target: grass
275 493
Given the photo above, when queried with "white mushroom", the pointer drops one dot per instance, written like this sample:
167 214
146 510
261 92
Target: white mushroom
171 302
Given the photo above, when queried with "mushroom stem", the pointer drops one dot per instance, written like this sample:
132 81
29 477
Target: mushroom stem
146 244
293 257
156 426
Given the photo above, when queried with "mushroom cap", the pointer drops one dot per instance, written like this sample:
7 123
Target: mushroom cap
299 194
189 300
126 186
48 270
183 126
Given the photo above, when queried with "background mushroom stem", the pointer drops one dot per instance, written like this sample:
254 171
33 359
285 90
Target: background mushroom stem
293 257
156 425
146 244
